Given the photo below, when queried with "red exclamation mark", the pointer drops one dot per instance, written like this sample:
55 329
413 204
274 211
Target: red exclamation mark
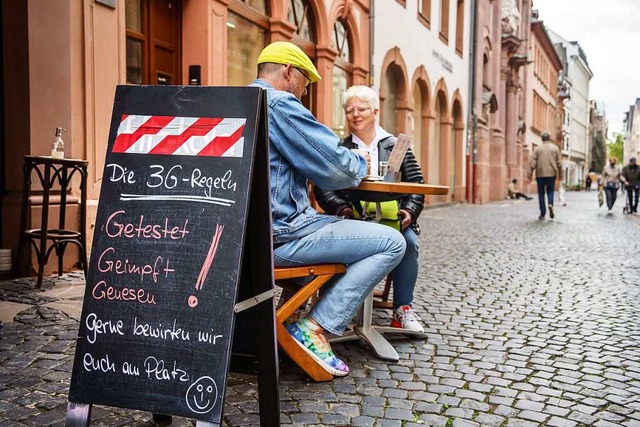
206 266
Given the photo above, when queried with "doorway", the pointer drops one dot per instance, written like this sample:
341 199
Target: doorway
153 41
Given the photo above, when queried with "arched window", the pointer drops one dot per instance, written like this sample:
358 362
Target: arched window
246 37
300 15
342 71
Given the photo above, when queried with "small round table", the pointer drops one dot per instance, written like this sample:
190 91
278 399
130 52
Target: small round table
51 173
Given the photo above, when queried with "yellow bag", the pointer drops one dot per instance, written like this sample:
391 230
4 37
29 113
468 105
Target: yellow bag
388 213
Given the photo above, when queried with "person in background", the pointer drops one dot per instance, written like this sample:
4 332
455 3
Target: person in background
301 149
610 181
562 194
512 188
546 162
587 184
361 106
631 178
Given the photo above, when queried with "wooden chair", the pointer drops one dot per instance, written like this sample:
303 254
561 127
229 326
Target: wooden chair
381 298
321 273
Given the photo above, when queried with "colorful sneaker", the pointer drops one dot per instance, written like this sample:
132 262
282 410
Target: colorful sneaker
405 318
310 338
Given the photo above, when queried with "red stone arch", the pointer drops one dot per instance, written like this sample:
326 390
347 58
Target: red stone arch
343 10
394 63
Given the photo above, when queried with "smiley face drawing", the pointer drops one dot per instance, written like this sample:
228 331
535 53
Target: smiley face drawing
202 395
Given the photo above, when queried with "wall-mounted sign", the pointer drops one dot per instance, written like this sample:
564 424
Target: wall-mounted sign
110 3
446 64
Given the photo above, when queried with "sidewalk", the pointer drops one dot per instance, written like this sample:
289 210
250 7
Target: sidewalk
529 323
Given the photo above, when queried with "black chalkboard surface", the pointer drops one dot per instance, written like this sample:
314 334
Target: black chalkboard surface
157 323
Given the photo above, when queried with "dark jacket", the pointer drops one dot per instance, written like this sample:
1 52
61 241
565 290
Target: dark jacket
333 202
631 175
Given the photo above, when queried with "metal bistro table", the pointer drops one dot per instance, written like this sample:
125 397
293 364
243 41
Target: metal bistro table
54 177
380 191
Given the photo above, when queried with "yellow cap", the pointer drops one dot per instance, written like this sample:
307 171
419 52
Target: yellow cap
288 53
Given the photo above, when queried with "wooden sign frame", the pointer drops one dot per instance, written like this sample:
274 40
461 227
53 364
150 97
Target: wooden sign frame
208 274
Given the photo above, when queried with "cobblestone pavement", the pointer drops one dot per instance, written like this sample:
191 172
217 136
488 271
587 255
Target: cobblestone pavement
529 323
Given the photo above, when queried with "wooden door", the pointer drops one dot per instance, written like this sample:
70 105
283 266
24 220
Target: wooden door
153 42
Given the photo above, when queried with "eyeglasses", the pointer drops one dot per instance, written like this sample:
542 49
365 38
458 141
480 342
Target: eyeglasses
307 80
360 110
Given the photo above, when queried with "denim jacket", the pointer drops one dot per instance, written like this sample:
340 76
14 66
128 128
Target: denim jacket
302 149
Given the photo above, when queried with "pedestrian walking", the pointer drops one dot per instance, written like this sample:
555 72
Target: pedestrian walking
631 178
562 194
587 184
610 181
546 162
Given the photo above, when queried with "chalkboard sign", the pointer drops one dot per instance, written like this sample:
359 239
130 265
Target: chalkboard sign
157 323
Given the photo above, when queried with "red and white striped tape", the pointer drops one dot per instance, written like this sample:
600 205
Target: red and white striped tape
180 136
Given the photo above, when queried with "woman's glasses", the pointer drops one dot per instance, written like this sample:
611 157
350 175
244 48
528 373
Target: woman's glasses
360 110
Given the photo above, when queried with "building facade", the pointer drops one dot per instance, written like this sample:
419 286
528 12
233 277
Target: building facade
631 128
499 87
576 141
423 85
598 129
62 60
544 113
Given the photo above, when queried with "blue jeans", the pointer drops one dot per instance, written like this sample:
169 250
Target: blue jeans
370 251
406 273
545 185
612 194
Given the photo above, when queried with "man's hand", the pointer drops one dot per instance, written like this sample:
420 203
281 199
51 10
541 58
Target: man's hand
405 218
346 212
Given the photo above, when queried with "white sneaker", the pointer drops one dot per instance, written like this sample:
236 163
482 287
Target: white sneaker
405 318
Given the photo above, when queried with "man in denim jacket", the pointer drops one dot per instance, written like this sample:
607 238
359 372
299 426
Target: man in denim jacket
302 149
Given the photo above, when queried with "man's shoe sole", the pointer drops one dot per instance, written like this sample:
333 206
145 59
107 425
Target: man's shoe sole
551 213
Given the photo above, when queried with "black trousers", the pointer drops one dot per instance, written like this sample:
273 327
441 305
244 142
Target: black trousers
632 194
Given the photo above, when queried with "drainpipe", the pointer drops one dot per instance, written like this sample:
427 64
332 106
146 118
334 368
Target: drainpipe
472 118
371 38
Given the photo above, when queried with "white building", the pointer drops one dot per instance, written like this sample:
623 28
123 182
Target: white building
577 75
420 66
632 132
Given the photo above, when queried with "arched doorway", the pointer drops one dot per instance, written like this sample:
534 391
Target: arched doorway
389 104
457 138
437 147
420 116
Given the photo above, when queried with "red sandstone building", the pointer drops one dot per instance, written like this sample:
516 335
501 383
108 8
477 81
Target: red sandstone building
62 60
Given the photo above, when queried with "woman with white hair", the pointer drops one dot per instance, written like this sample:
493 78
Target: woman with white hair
361 107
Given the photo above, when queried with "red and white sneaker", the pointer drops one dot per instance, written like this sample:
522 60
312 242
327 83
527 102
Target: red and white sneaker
405 318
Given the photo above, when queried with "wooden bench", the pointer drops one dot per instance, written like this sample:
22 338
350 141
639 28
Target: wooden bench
321 273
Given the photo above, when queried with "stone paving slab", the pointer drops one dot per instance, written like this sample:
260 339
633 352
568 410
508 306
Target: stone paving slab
529 323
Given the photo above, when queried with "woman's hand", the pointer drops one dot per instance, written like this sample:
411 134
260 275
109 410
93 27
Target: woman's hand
405 218
347 213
